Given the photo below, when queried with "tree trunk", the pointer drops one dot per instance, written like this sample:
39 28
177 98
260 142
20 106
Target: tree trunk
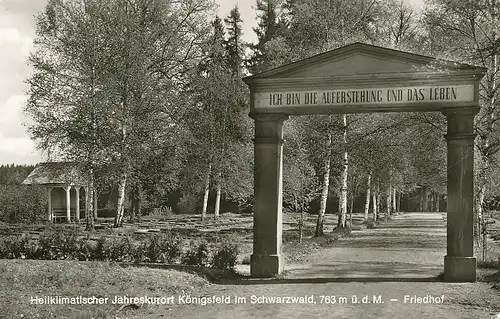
426 199
351 209
421 200
120 206
206 192
379 202
95 204
324 191
133 203
89 203
374 203
301 220
437 202
138 207
398 202
479 210
394 208
367 200
217 197
343 179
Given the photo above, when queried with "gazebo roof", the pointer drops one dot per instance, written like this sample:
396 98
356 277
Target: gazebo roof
62 173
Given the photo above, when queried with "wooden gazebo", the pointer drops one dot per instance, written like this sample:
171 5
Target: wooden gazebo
60 178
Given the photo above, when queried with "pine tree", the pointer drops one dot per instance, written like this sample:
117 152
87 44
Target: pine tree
269 25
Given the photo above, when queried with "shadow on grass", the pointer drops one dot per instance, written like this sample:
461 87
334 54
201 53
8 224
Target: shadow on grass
228 277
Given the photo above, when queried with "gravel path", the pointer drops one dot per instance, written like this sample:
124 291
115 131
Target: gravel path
380 266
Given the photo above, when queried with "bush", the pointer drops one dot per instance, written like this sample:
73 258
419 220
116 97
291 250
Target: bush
172 250
226 256
85 250
23 204
162 248
139 252
489 264
197 255
154 249
118 249
14 247
99 251
329 240
369 224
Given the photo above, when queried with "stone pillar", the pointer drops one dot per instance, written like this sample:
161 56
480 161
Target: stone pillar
49 208
77 215
267 260
460 263
68 203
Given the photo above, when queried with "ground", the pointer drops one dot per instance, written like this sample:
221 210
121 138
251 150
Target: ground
400 257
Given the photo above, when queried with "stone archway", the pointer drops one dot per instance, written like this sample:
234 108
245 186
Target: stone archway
361 78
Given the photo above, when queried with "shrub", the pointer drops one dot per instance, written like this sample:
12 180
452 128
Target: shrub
328 240
172 250
85 250
48 243
19 203
197 255
154 249
139 252
370 224
226 256
99 251
69 245
491 264
118 249
57 244
13 247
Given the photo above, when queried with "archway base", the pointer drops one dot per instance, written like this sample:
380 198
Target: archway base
459 269
266 266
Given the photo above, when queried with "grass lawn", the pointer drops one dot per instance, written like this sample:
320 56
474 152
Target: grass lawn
22 279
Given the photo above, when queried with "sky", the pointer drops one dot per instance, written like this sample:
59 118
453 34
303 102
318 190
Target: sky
17 29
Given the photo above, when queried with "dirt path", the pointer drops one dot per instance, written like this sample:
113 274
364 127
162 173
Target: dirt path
398 259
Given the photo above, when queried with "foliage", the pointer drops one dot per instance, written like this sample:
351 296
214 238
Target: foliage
103 93
187 204
18 203
197 254
163 248
489 264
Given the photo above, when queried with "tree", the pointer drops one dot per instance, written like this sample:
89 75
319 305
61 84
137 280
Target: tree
270 23
219 125
107 77
468 31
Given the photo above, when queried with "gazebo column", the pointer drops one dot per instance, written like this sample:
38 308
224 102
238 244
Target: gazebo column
68 203
460 263
267 260
86 189
77 216
49 208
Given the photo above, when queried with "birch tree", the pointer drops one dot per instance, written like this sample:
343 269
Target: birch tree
468 31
